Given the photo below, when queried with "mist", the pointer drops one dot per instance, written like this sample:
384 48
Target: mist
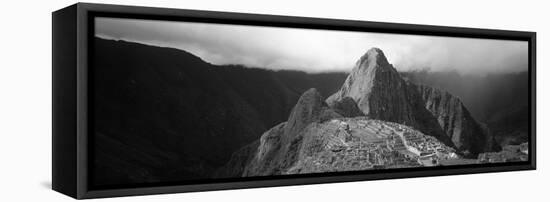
313 50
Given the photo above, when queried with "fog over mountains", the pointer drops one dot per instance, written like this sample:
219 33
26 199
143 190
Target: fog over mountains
314 51
163 115
359 128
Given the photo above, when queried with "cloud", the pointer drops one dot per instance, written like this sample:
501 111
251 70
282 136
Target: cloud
318 50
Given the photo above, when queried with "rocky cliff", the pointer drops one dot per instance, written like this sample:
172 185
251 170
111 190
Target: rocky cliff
164 114
380 93
497 100
278 147
315 139
376 120
347 107
453 117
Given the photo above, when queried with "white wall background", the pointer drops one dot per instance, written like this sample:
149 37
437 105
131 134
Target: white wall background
25 102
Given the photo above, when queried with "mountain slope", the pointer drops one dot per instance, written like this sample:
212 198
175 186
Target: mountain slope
456 121
381 93
184 115
408 120
317 139
495 99
163 114
279 146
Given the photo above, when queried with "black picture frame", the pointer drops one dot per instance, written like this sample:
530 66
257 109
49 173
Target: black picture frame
71 32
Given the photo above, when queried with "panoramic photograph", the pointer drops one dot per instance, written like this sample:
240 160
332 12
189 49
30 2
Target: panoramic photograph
186 101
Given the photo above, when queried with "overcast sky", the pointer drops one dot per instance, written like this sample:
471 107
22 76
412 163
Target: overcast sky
318 50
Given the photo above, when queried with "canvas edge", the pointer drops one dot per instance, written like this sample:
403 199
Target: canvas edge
83 9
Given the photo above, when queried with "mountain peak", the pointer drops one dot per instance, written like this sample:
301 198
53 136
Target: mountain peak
374 57
313 94
307 109
380 93
374 50
310 108
371 70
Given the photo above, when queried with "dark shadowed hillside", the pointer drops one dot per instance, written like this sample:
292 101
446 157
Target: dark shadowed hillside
484 95
381 93
498 100
376 120
163 114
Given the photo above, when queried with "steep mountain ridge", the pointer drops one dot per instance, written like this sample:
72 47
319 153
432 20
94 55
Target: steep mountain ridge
465 132
374 90
184 116
497 100
155 109
279 146
380 93
317 139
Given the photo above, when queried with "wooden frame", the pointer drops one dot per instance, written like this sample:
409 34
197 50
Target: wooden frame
71 104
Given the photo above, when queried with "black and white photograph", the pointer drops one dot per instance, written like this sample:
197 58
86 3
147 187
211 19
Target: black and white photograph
274 101
182 101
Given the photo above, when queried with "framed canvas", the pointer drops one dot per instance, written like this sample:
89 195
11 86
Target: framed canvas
155 100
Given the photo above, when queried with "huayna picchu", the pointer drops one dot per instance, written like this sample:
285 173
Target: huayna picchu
376 120
165 114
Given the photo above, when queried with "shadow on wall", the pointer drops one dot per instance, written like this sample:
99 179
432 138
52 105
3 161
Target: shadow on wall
46 184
